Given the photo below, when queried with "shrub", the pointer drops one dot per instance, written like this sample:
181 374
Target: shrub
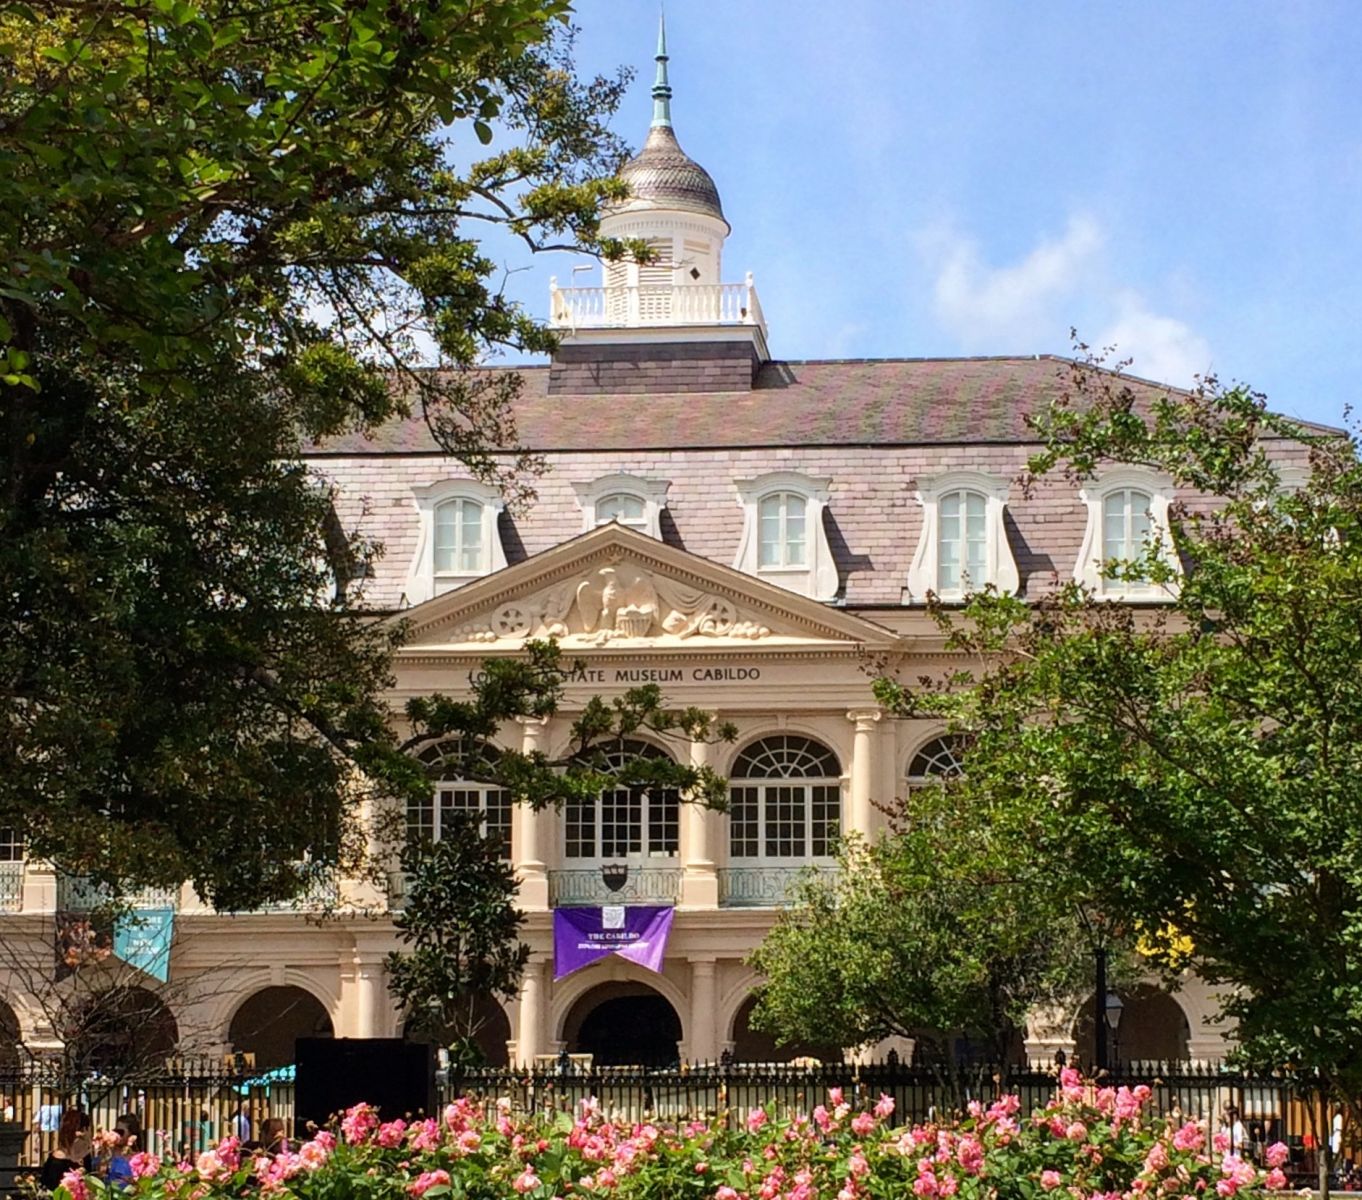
1086 1144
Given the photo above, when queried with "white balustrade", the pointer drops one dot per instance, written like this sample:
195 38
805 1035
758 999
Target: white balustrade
629 307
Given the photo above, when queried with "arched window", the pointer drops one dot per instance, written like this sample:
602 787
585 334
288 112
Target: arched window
1125 524
785 800
628 510
783 537
962 542
937 760
1128 512
630 821
454 797
458 537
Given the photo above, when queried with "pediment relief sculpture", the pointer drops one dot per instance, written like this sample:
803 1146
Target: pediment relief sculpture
615 602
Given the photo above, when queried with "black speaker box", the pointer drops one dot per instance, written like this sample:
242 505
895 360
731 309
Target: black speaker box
396 1076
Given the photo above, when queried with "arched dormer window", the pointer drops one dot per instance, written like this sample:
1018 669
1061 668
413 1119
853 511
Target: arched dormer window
783 539
963 545
785 801
457 540
1127 514
631 501
454 796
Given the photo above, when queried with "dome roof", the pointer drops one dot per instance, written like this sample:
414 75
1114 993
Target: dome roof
665 176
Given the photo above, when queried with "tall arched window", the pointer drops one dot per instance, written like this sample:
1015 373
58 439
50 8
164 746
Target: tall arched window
783 539
631 821
454 797
1125 524
458 537
962 542
785 800
936 760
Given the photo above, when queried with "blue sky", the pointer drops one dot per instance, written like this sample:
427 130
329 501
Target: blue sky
935 178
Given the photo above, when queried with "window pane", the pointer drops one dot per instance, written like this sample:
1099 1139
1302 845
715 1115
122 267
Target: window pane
446 538
621 507
794 531
743 832
976 540
1114 512
580 832
770 531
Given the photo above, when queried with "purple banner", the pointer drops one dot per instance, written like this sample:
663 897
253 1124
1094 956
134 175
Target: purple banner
636 932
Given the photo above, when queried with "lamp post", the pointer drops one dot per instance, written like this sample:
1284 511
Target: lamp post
1099 1014
1111 1012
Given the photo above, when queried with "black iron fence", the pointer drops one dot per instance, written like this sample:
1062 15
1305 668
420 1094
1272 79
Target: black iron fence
185 1110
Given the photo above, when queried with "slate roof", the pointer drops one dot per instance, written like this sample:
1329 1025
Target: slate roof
848 402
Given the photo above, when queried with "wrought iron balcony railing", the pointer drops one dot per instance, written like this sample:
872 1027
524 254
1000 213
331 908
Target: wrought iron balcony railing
11 886
76 893
761 887
649 885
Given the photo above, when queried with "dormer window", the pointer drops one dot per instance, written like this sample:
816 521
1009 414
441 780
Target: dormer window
627 510
458 540
963 545
784 542
629 500
783 539
1127 515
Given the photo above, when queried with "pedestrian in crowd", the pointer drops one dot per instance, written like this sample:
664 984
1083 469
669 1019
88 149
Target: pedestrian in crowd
274 1135
72 1150
1233 1128
127 1141
241 1122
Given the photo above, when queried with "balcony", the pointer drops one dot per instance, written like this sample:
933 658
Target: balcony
645 305
761 887
75 893
650 885
11 886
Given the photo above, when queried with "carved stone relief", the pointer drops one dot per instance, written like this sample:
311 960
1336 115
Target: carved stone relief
611 603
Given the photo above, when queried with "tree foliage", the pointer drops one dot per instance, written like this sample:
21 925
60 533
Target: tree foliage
229 228
939 931
462 926
1199 758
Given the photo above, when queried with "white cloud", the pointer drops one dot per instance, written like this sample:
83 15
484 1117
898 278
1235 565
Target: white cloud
1063 282
1162 348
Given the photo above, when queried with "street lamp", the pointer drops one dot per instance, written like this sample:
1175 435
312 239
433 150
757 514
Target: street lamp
1112 1007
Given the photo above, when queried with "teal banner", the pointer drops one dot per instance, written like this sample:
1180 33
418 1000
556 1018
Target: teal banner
142 940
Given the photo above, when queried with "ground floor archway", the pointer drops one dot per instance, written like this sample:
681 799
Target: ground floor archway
492 1030
118 1030
268 1023
753 1046
624 1024
1152 1028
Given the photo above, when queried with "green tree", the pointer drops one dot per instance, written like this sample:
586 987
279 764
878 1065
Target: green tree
229 228
940 930
1200 757
462 926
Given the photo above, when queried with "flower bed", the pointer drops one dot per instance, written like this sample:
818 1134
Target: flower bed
1087 1144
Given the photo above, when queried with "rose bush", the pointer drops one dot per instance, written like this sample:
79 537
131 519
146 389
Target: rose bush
1086 1144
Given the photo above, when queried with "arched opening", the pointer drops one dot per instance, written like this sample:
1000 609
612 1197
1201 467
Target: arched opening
624 1024
11 1044
753 1046
491 1031
119 1032
268 1023
1152 1028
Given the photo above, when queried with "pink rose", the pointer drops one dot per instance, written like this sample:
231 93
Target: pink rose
858 1165
526 1181
970 1155
701 1168
143 1163
1190 1137
1050 1180
756 1119
75 1185
725 1193
390 1133
884 1106
1277 1154
1077 1132
427 1180
1275 1179
862 1124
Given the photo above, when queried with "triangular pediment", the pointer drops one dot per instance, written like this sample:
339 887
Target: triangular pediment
616 587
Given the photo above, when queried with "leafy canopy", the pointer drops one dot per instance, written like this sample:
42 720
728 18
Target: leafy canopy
1198 758
230 227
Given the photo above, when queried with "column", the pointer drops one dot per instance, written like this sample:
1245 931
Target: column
530 831
534 1002
371 1009
701 831
864 771
703 1043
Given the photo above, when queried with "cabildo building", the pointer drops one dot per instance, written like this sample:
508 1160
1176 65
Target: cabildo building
747 532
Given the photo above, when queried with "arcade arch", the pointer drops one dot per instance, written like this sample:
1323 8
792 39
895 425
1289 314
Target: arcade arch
492 1030
1153 1027
121 1028
753 1046
268 1022
624 1023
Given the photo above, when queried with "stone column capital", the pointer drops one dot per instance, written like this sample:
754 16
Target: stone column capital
865 719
